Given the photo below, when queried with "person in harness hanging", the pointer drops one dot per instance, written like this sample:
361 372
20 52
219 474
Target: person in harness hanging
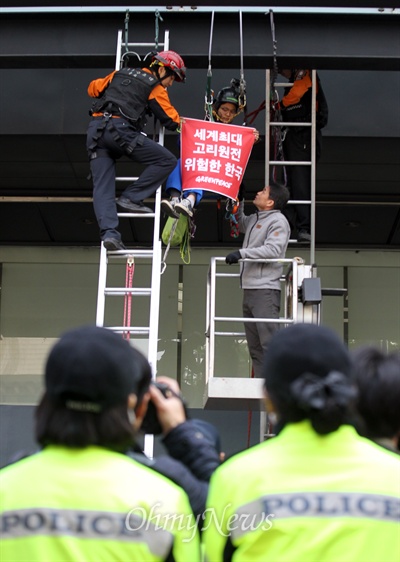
118 117
227 105
295 106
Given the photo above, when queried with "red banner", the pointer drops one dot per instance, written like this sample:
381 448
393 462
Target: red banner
214 156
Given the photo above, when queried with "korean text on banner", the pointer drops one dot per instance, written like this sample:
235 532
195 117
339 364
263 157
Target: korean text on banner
214 156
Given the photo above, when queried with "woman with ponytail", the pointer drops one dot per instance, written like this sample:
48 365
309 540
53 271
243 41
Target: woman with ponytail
317 491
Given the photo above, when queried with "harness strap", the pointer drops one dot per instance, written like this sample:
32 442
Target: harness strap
102 124
164 259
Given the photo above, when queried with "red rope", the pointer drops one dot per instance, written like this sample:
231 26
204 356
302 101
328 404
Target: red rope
130 268
253 114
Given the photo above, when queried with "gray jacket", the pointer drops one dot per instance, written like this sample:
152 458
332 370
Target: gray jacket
266 235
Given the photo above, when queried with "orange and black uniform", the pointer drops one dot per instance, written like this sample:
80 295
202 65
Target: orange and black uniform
296 107
118 116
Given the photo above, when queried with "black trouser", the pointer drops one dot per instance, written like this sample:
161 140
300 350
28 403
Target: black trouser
260 303
297 147
158 160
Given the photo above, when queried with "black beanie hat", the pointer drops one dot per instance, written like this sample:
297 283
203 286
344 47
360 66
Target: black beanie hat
91 369
303 348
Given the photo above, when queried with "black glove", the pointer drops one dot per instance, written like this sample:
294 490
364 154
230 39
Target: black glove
234 257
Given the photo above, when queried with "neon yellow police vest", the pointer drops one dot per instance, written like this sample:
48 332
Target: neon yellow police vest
92 505
303 497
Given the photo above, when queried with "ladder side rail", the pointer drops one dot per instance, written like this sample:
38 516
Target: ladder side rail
118 51
313 162
156 265
101 297
208 315
156 287
267 126
212 320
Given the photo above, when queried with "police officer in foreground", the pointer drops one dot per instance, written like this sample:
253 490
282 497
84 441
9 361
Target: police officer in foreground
82 497
123 98
317 491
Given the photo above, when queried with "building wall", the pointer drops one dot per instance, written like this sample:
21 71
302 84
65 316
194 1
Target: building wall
46 291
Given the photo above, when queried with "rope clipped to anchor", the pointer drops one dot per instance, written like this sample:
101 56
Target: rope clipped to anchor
209 97
277 133
125 56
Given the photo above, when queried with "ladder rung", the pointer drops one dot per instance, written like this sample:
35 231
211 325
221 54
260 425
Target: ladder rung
290 124
295 241
141 44
141 330
137 215
239 334
299 202
241 319
127 253
126 291
290 163
284 84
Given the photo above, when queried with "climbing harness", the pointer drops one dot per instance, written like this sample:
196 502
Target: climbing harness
130 269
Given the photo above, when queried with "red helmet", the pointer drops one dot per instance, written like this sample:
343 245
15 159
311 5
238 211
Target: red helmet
172 60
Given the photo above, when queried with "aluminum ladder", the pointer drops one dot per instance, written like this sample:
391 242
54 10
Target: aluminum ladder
152 256
312 163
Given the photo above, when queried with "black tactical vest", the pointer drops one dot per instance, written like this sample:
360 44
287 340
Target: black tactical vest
127 94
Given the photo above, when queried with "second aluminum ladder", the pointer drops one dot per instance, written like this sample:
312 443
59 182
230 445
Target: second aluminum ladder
311 163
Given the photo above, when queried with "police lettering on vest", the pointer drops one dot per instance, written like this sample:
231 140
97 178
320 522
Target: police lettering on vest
85 524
